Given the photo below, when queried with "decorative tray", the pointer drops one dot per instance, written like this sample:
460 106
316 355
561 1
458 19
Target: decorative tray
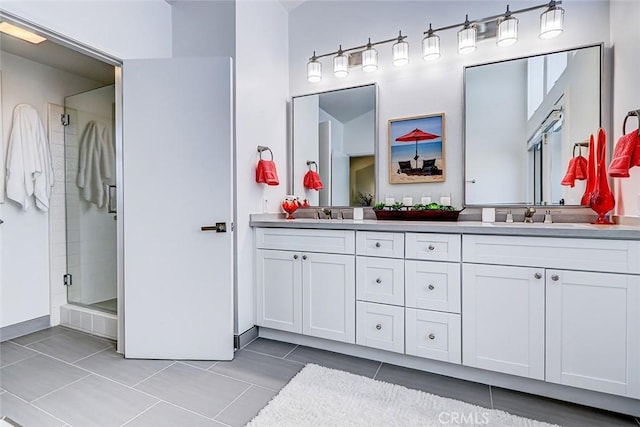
418 215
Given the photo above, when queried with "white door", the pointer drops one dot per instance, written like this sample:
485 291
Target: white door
279 290
503 321
177 138
329 296
593 331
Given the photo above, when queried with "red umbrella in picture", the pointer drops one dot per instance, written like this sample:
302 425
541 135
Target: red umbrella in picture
416 135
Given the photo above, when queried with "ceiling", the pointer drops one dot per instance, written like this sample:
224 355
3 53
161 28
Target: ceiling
60 57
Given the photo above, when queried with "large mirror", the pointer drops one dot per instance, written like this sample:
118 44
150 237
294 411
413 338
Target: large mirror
334 135
525 119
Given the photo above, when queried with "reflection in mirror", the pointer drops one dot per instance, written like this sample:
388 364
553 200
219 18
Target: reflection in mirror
525 119
334 133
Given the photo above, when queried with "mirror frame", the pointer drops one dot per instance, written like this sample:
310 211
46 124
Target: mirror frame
464 121
376 151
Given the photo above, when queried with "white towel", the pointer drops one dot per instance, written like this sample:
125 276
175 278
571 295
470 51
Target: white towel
96 163
29 169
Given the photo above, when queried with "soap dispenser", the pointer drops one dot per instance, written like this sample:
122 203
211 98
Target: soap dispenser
509 217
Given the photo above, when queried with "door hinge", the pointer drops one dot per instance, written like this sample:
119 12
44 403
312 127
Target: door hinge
67 279
233 227
65 119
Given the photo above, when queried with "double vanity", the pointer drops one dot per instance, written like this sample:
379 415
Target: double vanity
552 309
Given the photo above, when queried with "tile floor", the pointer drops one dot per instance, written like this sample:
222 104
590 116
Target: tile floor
59 377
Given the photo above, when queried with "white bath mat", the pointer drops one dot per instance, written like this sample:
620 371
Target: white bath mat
319 396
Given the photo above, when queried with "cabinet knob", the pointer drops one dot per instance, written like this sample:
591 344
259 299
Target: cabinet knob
304 257
432 337
538 276
295 257
555 277
431 247
378 280
379 326
431 287
378 244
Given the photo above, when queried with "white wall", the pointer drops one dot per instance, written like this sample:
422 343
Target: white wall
203 28
422 88
262 82
24 281
358 134
625 38
124 29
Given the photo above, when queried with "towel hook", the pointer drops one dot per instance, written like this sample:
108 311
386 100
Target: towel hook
262 148
632 113
311 162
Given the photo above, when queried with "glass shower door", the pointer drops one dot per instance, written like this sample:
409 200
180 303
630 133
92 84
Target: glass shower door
90 199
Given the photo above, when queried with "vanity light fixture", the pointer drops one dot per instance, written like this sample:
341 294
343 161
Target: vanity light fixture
467 37
507 29
430 46
341 64
365 55
503 26
400 51
552 21
314 69
20 33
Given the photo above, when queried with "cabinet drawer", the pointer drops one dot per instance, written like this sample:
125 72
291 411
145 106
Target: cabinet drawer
308 240
380 280
389 245
433 335
432 285
380 326
616 256
433 247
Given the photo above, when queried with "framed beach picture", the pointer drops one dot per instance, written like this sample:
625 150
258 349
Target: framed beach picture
417 149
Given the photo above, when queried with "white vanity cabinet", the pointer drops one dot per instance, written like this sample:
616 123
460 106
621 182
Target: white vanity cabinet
303 288
380 290
562 310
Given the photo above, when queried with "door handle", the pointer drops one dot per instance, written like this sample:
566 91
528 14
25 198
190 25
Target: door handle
220 227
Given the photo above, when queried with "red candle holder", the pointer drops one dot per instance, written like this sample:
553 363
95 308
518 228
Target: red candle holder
290 205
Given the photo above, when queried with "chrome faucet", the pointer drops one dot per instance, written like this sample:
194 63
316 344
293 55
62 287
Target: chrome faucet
326 212
528 214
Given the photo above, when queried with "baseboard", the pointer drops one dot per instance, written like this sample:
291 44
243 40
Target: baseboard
90 321
609 402
24 328
245 338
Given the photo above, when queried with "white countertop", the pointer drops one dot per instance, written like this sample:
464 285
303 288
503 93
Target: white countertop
577 230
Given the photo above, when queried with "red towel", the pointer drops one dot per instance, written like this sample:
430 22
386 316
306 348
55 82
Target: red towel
570 177
582 168
266 172
312 180
625 155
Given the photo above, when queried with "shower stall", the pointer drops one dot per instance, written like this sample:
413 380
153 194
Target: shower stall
90 195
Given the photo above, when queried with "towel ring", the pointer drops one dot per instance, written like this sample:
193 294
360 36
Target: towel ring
635 113
311 162
262 148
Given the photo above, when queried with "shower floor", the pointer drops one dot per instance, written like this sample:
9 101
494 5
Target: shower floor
110 305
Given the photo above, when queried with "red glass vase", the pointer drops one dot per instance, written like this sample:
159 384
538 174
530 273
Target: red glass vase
290 205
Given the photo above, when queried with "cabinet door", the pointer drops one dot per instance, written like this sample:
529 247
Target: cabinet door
433 335
380 326
380 280
279 290
329 296
503 319
433 285
593 331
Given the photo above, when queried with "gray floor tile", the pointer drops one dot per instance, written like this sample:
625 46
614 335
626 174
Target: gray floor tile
466 391
37 376
197 390
71 346
95 401
12 353
260 369
166 415
329 359
24 413
202 364
555 411
246 407
40 335
112 365
274 348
